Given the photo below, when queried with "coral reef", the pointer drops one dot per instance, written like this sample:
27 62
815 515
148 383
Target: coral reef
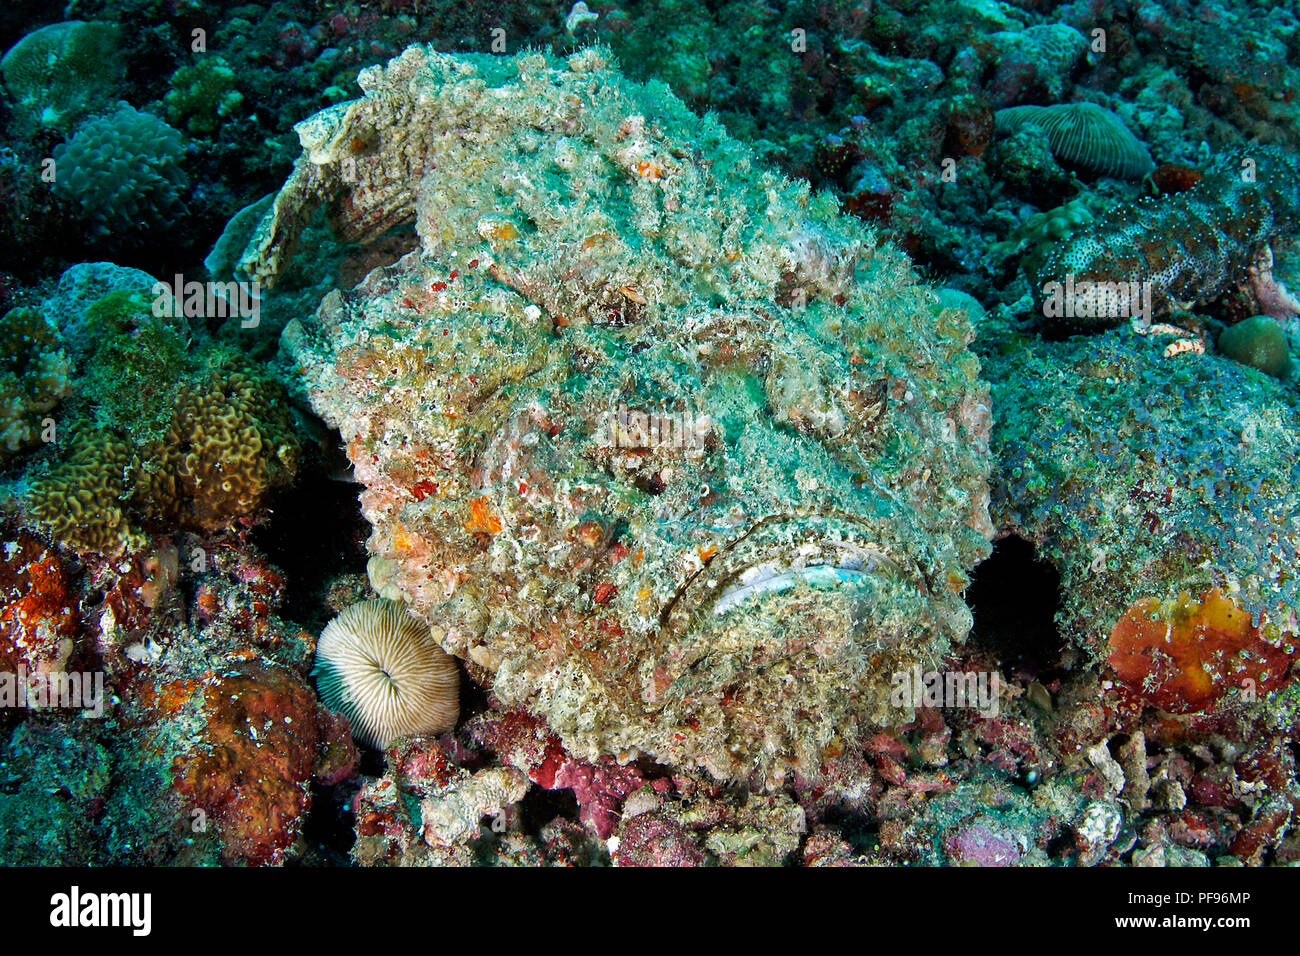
56 781
40 626
64 71
124 172
83 501
830 480
227 446
165 433
35 374
683 466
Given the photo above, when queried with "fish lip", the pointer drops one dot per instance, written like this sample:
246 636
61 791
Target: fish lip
777 576
785 543
766 541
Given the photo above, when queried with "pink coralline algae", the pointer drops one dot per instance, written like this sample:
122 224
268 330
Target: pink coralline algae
981 844
600 788
685 461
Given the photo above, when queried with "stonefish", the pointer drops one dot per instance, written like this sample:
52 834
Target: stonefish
687 462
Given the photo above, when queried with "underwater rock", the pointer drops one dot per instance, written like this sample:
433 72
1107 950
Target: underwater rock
253 762
57 776
524 742
1258 342
680 456
86 283
1037 60
429 809
1161 482
40 624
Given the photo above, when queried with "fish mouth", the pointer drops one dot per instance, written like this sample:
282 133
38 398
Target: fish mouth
810 565
827 559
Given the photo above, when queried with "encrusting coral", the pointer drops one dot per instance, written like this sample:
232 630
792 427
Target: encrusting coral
629 385
64 71
35 374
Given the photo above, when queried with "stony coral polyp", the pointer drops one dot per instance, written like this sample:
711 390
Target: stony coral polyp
382 668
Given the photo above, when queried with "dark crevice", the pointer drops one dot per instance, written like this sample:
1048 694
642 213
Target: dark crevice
1014 596
315 532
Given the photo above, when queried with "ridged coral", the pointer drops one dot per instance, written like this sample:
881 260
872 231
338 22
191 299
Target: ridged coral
1084 135
1190 247
734 598
124 172
228 444
64 71
383 668
35 373
83 500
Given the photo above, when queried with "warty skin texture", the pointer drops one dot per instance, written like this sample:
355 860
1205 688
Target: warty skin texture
736 600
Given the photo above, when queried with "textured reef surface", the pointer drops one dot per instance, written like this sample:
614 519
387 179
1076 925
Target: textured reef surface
649 433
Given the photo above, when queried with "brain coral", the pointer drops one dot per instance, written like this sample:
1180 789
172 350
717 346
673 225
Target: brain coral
63 71
124 171
83 501
686 462
1085 135
35 373
1189 247
1162 484
227 446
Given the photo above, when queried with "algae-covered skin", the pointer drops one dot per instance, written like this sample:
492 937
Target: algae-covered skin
683 460
1161 481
